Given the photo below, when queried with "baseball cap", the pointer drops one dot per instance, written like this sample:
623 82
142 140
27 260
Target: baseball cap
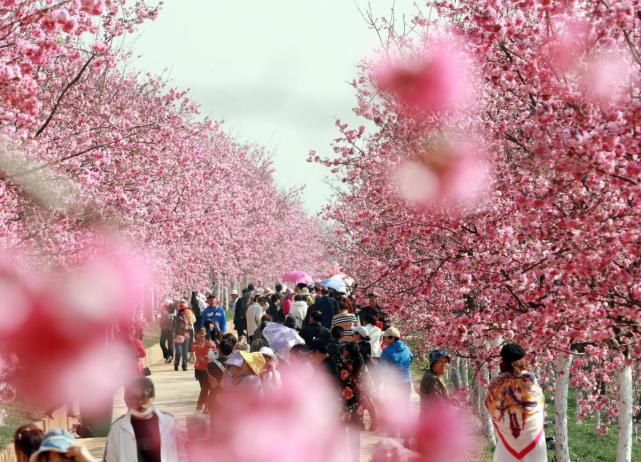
437 354
57 440
360 330
392 332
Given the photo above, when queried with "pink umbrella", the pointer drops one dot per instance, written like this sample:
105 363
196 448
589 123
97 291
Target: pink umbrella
296 277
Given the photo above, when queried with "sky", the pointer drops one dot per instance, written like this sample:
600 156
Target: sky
275 71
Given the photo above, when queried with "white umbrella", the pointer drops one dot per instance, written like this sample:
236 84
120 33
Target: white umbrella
344 279
281 339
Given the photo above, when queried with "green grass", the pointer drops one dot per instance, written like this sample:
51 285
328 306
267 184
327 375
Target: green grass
586 445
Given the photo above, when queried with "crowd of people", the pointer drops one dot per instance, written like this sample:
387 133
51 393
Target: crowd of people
332 337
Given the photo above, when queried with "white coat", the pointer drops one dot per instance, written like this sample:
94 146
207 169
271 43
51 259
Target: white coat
255 312
299 311
121 441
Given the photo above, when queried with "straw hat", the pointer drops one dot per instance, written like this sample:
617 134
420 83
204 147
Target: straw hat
256 361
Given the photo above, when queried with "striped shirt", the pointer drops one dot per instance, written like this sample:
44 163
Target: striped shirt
347 321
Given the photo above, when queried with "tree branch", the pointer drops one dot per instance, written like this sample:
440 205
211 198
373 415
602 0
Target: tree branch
75 80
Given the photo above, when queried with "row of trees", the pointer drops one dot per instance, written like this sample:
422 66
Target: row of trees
88 144
547 253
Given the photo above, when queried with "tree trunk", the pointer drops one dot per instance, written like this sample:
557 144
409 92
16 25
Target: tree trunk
562 372
465 381
486 421
624 443
454 373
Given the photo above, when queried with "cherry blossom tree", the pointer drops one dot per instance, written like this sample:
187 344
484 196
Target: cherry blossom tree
549 257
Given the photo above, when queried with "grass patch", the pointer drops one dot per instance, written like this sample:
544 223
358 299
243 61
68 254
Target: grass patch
586 445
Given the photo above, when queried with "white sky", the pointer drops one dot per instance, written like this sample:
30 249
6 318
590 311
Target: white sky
275 71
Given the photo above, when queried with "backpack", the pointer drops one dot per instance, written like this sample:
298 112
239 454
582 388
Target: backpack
180 323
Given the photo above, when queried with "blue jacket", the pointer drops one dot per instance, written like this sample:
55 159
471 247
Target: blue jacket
399 356
216 315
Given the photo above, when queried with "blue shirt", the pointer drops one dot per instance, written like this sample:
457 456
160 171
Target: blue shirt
399 356
216 315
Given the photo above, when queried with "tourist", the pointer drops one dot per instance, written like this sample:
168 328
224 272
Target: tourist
226 348
181 337
255 312
375 335
216 373
516 405
259 340
288 301
244 371
138 349
315 329
362 340
398 356
166 332
233 297
26 440
432 386
350 375
346 320
270 376
144 433
299 309
274 309
328 306
202 347
59 445
373 308
335 346
240 315
321 360
191 323
197 305
214 314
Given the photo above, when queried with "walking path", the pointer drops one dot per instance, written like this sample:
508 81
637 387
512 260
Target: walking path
176 393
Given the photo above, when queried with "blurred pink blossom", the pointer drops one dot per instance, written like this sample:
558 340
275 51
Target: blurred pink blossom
450 174
298 421
607 76
437 78
60 334
445 433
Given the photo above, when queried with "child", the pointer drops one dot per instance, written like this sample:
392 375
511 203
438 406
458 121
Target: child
201 349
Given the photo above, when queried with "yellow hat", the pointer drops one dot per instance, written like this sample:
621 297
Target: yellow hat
256 361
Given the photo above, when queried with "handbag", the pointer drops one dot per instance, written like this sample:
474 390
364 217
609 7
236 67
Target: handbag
145 370
179 339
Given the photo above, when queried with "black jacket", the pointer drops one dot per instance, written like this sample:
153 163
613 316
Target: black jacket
329 307
313 331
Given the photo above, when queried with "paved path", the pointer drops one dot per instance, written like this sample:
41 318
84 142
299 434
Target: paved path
176 393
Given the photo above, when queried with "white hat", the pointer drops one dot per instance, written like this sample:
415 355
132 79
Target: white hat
360 330
235 359
266 351
304 291
233 292
392 332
